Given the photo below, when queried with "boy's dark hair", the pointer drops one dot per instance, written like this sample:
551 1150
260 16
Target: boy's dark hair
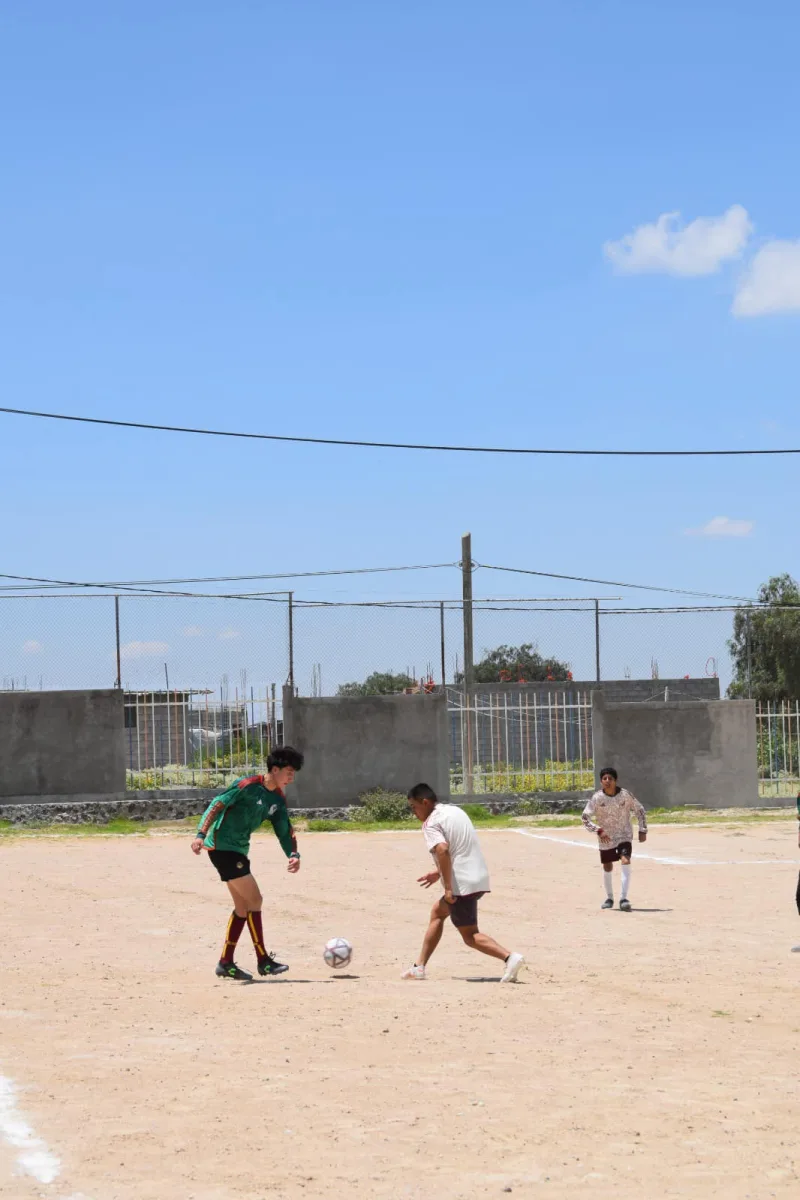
422 792
285 756
608 771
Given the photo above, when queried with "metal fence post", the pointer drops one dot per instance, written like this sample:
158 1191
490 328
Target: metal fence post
118 683
469 673
291 641
441 637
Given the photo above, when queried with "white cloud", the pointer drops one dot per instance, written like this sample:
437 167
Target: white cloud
699 248
771 283
226 635
32 647
724 527
193 631
143 649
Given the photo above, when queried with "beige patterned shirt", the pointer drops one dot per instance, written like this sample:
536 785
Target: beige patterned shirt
613 815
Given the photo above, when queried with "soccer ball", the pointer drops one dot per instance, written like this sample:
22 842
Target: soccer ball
337 952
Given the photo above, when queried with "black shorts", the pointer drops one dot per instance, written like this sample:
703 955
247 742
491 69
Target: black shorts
229 864
464 909
615 853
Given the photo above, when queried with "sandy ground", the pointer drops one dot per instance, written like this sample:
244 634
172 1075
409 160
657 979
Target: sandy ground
644 1055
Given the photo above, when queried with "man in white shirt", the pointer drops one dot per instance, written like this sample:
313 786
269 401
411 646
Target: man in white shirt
450 836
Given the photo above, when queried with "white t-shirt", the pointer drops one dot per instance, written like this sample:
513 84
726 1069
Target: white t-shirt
449 825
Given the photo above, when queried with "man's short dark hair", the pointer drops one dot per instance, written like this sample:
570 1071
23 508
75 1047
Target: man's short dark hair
285 756
608 771
421 791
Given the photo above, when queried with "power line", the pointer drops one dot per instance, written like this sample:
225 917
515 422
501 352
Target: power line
317 441
643 587
143 584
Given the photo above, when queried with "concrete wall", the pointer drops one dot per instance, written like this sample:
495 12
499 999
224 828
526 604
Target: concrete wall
353 745
618 690
61 743
687 752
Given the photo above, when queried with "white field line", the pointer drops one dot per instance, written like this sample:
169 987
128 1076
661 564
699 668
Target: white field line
33 1156
671 861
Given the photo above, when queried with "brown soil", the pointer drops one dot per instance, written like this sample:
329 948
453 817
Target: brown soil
645 1055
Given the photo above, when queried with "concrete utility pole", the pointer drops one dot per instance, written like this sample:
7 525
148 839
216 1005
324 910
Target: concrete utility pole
469 671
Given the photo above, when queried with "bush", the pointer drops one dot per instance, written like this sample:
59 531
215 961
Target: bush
477 812
379 805
529 808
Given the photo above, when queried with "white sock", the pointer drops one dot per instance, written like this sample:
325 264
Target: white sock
626 880
608 880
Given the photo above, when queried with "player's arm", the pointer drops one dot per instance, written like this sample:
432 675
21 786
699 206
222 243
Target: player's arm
445 864
587 815
215 808
641 816
284 832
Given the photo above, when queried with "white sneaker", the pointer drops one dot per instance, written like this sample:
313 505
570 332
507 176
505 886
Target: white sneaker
414 972
795 949
515 961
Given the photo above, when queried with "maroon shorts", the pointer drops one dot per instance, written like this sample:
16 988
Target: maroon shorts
464 909
615 853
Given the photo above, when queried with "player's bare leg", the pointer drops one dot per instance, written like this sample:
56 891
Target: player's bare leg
487 945
433 935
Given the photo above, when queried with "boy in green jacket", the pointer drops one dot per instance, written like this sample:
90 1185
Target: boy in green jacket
225 830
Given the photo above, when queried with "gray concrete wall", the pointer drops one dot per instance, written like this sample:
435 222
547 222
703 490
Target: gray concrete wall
354 745
687 752
61 743
618 690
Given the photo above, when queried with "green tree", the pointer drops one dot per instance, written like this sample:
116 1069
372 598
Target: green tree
379 683
509 664
765 646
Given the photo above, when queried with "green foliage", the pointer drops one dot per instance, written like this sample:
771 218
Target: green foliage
770 668
513 664
322 825
380 805
379 683
529 808
477 813
575 776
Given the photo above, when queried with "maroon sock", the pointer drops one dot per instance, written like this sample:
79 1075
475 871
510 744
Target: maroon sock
256 933
232 935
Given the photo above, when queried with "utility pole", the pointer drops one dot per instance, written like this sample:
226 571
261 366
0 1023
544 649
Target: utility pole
118 683
441 641
597 639
469 672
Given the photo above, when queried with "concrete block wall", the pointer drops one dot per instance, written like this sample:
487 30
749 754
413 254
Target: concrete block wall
355 744
686 752
61 743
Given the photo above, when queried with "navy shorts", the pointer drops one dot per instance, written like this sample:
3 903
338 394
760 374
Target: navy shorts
229 864
464 909
615 853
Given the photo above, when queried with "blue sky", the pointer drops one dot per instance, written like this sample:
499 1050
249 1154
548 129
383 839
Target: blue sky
387 222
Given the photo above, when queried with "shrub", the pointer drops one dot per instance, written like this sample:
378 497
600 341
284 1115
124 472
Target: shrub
380 805
477 812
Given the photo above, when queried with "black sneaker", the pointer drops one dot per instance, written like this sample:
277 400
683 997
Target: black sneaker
625 906
231 971
609 903
268 965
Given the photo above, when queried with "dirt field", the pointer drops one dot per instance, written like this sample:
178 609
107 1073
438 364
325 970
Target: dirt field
645 1055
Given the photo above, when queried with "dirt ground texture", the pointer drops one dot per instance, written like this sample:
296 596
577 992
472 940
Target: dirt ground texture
651 1054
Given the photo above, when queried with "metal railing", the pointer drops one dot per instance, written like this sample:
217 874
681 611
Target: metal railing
778 747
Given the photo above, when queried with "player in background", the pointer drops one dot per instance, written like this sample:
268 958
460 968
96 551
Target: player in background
224 831
450 836
608 814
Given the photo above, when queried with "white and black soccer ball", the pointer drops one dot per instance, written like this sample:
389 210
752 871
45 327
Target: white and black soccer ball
337 952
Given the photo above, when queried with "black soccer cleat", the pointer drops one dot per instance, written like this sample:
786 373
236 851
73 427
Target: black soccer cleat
268 965
231 971
609 903
625 906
